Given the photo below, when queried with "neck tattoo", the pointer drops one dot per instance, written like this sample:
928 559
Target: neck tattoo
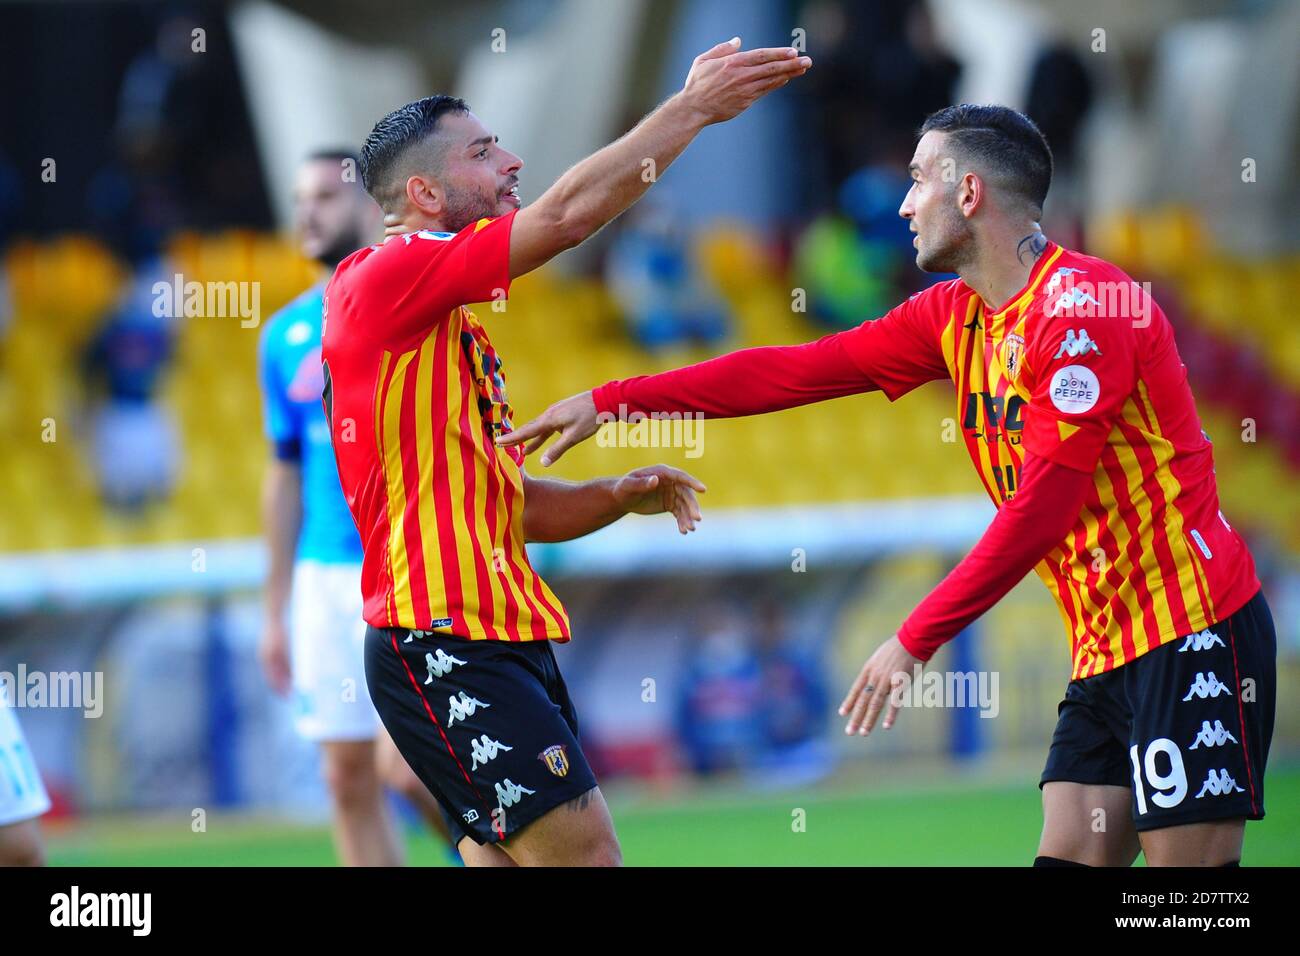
1037 243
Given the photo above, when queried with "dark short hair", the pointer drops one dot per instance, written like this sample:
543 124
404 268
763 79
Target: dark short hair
397 132
1007 143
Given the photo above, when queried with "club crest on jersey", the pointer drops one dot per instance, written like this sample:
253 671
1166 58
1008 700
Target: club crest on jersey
556 760
1076 343
1012 351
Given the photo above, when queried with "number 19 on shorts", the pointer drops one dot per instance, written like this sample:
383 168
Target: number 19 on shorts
1170 787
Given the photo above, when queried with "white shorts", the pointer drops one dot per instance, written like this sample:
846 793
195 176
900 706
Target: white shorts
327 638
22 795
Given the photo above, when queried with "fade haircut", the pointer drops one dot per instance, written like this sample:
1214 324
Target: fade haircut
394 136
1003 143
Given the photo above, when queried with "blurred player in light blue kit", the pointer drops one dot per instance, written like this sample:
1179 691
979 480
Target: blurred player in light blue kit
314 633
22 795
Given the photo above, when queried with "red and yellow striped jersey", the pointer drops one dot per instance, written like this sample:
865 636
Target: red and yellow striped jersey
1081 367
415 395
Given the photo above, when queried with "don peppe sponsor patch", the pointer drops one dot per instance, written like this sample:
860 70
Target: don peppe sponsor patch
1075 389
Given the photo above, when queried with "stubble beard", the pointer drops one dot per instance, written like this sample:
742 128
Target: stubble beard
465 207
954 247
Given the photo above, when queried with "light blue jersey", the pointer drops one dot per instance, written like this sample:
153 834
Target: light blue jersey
290 371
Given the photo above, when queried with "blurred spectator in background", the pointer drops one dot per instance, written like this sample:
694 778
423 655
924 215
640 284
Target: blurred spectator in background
652 274
855 262
181 156
10 200
754 700
880 72
1060 95
793 705
135 444
719 720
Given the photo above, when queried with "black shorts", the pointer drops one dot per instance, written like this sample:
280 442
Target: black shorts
486 725
1186 726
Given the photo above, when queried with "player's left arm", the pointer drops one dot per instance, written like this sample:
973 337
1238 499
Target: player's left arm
1077 394
1026 529
556 510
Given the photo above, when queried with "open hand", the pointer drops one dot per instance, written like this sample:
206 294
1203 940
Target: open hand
659 489
724 81
890 666
574 418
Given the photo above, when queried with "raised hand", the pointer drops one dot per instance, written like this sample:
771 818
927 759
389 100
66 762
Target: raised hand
724 81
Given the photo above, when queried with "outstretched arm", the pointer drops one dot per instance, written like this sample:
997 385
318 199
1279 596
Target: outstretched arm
722 84
1027 529
748 382
557 510
894 353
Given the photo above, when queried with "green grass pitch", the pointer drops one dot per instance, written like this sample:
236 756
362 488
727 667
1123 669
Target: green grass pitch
980 824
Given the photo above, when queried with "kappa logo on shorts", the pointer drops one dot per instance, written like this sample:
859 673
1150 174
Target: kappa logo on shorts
462 706
440 622
1215 736
1203 641
484 749
509 793
470 815
556 760
440 664
1217 784
1204 687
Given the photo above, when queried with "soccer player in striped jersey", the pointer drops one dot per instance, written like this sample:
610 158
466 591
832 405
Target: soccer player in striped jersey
1077 415
314 635
458 657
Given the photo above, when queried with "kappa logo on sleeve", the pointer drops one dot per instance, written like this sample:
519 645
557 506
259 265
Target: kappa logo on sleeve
1054 283
1072 299
1075 344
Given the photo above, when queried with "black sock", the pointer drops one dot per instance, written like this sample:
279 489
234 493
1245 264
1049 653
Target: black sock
1053 861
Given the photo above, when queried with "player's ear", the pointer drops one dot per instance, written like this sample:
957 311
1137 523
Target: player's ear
425 194
970 194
